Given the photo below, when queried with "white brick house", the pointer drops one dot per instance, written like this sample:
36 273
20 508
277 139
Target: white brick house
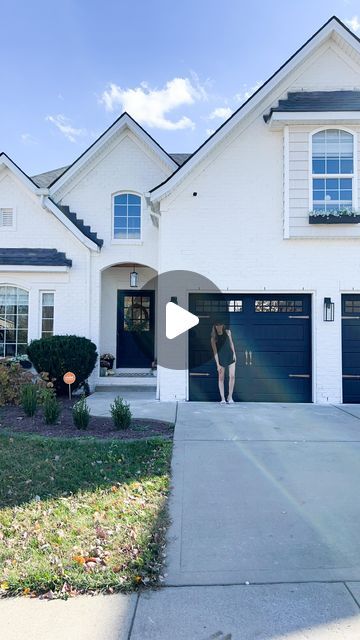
292 148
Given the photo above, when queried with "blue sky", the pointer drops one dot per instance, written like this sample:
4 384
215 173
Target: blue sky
69 69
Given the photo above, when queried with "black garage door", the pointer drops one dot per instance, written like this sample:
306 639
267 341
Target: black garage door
351 348
272 338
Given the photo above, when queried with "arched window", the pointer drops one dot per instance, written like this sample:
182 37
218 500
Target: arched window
14 310
127 216
332 170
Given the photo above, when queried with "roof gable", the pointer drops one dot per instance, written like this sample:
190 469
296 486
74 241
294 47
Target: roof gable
123 122
332 28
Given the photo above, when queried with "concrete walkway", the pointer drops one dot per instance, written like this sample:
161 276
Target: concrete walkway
142 404
264 543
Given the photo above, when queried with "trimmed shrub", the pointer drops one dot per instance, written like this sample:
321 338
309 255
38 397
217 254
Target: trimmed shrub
12 378
51 407
81 414
29 399
120 413
58 354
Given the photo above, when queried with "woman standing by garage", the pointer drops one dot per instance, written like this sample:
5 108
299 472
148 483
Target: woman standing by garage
225 356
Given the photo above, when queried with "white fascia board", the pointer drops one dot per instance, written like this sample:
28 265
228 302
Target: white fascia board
48 204
123 122
279 119
332 27
7 162
32 267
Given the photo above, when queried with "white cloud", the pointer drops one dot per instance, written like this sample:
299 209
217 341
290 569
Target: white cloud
27 138
353 24
221 112
64 125
248 92
209 132
151 106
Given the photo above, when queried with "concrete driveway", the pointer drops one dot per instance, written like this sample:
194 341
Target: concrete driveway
264 542
265 493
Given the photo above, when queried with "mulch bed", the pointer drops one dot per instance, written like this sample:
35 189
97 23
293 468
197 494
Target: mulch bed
14 419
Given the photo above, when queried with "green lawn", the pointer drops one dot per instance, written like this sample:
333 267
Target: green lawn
81 515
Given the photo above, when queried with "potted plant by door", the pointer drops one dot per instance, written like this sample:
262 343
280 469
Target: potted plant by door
107 360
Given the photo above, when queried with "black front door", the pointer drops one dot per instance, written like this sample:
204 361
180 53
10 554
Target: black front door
351 348
272 338
135 329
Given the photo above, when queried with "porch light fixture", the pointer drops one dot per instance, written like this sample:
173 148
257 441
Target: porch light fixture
329 310
134 278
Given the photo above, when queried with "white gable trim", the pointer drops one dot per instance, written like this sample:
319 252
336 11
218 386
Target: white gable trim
279 119
125 121
14 268
333 26
46 203
7 162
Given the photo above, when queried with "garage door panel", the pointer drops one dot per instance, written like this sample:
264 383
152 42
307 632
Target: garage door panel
272 343
279 333
351 348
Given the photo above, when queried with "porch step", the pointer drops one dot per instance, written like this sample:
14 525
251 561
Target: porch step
126 388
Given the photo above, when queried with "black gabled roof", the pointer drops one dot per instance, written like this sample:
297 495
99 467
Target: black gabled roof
317 101
34 257
79 223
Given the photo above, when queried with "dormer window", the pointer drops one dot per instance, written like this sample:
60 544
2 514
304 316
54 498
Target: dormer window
332 170
127 216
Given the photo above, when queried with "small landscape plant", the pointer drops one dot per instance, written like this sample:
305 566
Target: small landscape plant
51 407
12 379
120 413
81 414
29 399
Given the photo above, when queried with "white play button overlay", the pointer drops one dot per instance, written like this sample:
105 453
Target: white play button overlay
178 320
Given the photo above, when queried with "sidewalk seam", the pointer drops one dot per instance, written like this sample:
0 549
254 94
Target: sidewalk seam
133 617
352 595
345 411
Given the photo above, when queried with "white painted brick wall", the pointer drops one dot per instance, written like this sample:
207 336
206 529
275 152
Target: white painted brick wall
38 228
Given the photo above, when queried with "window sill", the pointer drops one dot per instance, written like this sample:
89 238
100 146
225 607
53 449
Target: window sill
132 242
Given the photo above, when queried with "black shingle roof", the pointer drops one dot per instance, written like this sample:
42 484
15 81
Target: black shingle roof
34 257
318 101
80 224
44 179
180 158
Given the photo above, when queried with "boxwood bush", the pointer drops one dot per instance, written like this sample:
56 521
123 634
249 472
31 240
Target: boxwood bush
58 354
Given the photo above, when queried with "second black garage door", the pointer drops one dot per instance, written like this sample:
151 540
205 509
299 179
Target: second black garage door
351 348
272 337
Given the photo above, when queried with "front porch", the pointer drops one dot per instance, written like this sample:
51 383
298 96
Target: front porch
127 330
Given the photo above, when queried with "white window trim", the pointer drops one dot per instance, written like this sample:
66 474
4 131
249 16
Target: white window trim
134 241
13 226
27 290
42 292
354 175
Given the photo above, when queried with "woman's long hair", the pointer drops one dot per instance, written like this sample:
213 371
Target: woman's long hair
214 333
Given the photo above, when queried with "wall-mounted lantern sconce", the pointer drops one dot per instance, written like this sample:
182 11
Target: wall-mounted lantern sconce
329 310
134 278
174 299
